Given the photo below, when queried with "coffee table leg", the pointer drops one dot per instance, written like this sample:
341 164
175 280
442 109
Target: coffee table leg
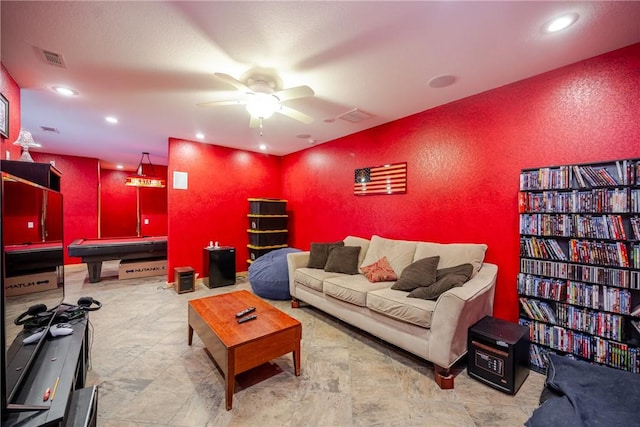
190 336
296 359
230 379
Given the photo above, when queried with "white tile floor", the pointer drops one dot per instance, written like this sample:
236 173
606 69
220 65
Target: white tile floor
149 376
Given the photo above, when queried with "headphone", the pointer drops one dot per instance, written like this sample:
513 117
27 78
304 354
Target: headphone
85 304
35 311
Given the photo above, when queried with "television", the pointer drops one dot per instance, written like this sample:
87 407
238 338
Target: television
32 266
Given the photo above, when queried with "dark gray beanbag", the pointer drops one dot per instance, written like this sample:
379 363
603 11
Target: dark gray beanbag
269 274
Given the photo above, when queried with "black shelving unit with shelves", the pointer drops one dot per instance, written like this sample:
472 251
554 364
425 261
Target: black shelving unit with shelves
267 226
579 279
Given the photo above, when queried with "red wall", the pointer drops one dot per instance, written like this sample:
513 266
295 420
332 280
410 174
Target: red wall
464 160
215 206
79 187
153 206
9 88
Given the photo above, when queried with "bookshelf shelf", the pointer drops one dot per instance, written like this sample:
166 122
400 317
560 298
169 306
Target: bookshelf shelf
579 280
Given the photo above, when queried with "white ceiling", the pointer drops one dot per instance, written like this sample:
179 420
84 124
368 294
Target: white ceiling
150 63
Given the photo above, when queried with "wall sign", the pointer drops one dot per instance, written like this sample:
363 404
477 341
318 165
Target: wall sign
385 179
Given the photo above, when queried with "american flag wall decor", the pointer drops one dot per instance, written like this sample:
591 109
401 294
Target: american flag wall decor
385 179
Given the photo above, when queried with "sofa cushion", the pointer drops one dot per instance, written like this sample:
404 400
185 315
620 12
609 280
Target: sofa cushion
352 289
311 277
395 304
343 260
379 271
452 254
447 278
319 253
358 241
420 273
399 253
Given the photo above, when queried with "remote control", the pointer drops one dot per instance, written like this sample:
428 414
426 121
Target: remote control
246 311
246 319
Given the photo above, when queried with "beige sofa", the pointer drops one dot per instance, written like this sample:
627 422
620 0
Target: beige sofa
435 330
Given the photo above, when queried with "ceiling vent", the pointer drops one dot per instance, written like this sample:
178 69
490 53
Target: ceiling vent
52 58
49 129
355 116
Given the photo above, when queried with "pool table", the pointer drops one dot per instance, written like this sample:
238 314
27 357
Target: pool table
29 258
94 251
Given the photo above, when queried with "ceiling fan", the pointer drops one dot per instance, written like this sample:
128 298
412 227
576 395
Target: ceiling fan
262 99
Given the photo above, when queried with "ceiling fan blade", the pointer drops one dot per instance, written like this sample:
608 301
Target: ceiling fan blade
295 114
218 103
232 81
294 93
254 122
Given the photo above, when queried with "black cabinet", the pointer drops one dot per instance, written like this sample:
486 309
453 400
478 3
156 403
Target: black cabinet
498 353
220 265
43 174
61 367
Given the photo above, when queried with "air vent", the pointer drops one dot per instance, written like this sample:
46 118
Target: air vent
52 58
49 129
355 116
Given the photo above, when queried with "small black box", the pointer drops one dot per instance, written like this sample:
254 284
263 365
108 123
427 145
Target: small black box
184 280
256 252
267 206
498 353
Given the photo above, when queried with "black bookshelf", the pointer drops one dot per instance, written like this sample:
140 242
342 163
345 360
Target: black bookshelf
579 279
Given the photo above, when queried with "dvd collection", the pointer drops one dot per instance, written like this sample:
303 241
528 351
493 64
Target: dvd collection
579 279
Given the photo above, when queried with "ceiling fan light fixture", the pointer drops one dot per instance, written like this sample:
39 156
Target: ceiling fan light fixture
262 105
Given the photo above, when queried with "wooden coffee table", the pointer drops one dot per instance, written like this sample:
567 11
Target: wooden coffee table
238 347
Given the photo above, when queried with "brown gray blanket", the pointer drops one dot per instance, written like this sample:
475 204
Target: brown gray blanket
588 395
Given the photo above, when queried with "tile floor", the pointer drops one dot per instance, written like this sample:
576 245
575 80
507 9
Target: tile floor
148 375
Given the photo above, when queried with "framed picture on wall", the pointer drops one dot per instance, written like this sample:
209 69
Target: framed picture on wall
4 116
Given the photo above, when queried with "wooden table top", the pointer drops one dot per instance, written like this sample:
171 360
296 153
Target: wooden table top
219 312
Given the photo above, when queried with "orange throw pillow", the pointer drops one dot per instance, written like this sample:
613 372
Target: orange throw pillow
379 271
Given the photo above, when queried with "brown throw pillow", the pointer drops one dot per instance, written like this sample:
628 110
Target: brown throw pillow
420 273
379 271
343 260
320 252
447 278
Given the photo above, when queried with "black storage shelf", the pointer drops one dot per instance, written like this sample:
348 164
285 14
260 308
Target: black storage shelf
267 226
609 189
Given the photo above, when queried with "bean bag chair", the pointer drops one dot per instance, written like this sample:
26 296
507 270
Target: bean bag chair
269 274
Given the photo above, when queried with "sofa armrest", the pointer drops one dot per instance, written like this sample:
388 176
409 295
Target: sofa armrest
296 260
455 311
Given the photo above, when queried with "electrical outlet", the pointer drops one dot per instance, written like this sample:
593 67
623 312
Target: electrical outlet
30 224
146 221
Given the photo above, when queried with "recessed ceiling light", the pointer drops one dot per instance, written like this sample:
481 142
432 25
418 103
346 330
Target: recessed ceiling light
442 81
303 135
119 167
65 91
263 147
560 23
111 119
200 135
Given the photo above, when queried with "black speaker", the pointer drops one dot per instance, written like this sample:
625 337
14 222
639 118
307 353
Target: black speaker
184 280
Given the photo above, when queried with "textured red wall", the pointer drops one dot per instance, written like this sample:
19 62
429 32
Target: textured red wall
9 88
153 206
21 220
215 205
79 188
464 160
118 205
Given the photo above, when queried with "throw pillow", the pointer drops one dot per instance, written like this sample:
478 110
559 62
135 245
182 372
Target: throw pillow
379 271
420 273
343 260
447 279
320 252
